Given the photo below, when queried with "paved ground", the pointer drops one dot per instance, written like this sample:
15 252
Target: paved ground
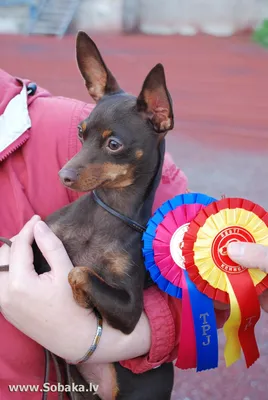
220 93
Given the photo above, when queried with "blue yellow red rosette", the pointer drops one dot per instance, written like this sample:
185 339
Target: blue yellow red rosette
214 274
163 259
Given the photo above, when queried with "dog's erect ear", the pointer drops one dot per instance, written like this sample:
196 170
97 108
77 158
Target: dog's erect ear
154 100
98 79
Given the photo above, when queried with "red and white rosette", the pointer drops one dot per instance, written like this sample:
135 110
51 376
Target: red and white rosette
217 276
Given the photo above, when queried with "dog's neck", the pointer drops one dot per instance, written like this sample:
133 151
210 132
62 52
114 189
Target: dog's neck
126 200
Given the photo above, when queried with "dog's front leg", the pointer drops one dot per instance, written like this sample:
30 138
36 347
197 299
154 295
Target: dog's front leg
120 307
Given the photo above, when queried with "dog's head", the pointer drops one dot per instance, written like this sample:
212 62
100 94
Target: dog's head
121 136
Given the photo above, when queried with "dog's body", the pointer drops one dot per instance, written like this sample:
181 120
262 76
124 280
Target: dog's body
153 384
121 160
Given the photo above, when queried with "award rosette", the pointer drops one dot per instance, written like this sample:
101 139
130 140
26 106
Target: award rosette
217 276
162 250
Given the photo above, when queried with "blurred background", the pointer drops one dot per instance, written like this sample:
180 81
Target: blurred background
215 54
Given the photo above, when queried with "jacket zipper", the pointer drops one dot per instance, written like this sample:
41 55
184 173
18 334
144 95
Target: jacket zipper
15 146
31 90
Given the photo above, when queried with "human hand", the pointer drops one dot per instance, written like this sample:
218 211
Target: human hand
42 306
251 255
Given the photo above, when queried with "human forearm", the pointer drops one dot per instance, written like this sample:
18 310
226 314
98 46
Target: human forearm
43 307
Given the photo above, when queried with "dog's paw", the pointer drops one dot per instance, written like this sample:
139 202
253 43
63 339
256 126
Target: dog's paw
79 280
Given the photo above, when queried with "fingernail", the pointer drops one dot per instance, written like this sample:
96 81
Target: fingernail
235 249
41 227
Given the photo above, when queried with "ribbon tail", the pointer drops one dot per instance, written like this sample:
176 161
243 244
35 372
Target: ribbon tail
187 346
232 351
250 313
205 328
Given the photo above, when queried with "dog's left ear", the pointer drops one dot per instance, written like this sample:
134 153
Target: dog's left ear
98 78
154 101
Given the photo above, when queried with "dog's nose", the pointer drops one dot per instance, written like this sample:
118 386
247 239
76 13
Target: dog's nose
68 176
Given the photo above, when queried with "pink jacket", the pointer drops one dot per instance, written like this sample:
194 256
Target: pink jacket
30 185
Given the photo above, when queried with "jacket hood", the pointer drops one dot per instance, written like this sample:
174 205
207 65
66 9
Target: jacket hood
14 102
10 86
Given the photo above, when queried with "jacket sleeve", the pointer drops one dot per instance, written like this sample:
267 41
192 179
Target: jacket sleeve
162 310
163 313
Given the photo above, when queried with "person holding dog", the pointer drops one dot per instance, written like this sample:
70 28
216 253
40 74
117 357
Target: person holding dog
39 311
38 133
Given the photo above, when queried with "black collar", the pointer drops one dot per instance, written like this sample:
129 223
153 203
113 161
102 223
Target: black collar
134 225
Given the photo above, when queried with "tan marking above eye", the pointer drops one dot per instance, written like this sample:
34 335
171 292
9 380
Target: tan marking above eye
139 154
105 134
84 126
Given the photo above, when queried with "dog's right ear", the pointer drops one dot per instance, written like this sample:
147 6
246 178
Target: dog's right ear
154 101
98 79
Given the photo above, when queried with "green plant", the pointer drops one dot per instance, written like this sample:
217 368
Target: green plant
260 34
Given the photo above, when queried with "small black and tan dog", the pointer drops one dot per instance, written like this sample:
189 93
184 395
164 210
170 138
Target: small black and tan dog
120 164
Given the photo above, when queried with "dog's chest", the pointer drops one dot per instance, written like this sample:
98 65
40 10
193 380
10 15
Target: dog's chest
95 239
100 247
85 245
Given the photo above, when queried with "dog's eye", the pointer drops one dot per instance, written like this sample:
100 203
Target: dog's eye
114 145
80 132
